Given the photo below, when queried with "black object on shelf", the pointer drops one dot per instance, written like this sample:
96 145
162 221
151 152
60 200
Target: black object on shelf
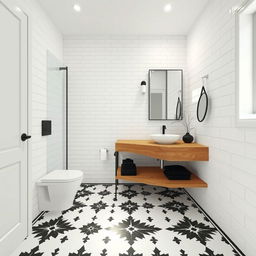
188 138
177 172
46 127
128 168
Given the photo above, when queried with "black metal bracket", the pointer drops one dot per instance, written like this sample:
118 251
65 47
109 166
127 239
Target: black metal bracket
116 154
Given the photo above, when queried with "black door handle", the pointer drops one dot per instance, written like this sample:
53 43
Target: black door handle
25 137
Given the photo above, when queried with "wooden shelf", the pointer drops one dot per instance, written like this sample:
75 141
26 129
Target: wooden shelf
179 151
155 176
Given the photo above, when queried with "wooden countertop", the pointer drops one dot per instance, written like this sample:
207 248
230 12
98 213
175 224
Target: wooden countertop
179 151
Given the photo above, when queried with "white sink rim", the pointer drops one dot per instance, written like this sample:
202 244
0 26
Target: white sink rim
165 138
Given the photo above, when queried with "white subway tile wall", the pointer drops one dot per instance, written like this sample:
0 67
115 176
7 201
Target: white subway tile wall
105 100
231 172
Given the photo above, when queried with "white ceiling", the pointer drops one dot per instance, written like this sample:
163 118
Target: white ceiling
123 17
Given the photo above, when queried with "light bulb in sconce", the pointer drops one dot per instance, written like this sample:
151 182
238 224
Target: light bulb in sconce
143 87
77 7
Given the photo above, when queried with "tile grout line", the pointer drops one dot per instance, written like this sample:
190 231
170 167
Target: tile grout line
234 246
38 217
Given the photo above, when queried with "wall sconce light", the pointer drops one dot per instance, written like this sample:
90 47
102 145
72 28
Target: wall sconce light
143 87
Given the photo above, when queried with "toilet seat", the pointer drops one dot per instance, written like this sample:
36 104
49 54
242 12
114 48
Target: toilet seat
62 176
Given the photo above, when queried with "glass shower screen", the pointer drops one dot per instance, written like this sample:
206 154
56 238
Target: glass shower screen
55 113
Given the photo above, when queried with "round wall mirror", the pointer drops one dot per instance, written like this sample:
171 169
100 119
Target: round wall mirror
202 105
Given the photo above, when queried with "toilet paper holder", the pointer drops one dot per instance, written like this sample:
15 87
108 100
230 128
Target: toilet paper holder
103 154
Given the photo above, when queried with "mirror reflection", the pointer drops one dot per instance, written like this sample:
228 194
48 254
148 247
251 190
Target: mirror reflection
165 94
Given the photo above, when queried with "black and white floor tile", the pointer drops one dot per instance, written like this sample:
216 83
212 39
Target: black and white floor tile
145 221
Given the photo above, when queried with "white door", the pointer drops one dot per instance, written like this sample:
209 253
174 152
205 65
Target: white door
13 123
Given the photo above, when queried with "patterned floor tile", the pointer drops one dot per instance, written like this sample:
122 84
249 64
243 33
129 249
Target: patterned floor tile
144 221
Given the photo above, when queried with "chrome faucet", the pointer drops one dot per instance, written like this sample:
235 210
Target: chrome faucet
163 129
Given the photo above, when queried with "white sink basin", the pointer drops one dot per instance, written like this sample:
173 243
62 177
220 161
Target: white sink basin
165 138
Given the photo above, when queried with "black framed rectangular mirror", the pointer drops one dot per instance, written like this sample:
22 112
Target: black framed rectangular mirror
165 94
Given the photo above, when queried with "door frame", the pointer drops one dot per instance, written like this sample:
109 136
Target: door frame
29 120
29 110
28 14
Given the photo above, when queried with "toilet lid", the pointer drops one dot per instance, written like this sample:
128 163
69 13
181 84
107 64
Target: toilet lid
62 176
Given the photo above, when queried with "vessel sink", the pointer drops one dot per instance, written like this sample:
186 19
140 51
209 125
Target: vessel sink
165 138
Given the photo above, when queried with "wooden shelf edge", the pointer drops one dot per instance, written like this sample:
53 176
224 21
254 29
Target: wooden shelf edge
155 176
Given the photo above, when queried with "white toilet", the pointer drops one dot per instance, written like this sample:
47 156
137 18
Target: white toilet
57 189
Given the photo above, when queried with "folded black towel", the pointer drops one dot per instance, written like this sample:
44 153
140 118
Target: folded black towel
177 172
188 177
127 161
129 172
128 168
176 169
128 164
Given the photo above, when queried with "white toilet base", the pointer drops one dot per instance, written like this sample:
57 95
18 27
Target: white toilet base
57 196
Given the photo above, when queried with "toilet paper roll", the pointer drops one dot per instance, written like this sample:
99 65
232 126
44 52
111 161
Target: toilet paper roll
143 89
103 154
